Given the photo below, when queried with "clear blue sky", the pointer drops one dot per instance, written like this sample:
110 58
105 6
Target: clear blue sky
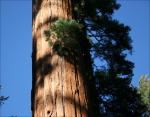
15 48
15 31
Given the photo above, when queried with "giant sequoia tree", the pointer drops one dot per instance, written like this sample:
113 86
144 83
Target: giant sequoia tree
65 82
61 85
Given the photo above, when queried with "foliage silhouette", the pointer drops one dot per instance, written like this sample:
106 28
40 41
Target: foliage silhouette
110 42
117 97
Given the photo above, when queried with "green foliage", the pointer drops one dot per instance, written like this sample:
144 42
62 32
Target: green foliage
64 34
144 90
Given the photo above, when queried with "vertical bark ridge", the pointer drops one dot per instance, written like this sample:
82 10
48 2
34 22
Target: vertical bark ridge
69 11
77 84
63 7
63 73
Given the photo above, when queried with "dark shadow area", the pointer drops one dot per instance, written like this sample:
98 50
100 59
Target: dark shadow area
36 5
34 52
43 67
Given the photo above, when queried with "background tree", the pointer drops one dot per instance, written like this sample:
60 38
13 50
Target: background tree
111 43
144 90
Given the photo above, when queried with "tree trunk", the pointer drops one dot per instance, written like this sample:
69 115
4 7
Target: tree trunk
59 86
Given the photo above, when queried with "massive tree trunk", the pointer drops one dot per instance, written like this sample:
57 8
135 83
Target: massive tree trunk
59 86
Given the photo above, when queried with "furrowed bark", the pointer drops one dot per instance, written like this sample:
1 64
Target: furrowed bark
59 86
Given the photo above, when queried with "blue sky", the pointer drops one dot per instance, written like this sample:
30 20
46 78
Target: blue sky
16 48
15 31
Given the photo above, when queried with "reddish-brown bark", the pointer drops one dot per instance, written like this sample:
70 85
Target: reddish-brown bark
59 83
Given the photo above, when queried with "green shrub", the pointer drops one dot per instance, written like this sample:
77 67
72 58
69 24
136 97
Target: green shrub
64 34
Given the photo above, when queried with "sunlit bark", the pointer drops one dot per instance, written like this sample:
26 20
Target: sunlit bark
59 86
